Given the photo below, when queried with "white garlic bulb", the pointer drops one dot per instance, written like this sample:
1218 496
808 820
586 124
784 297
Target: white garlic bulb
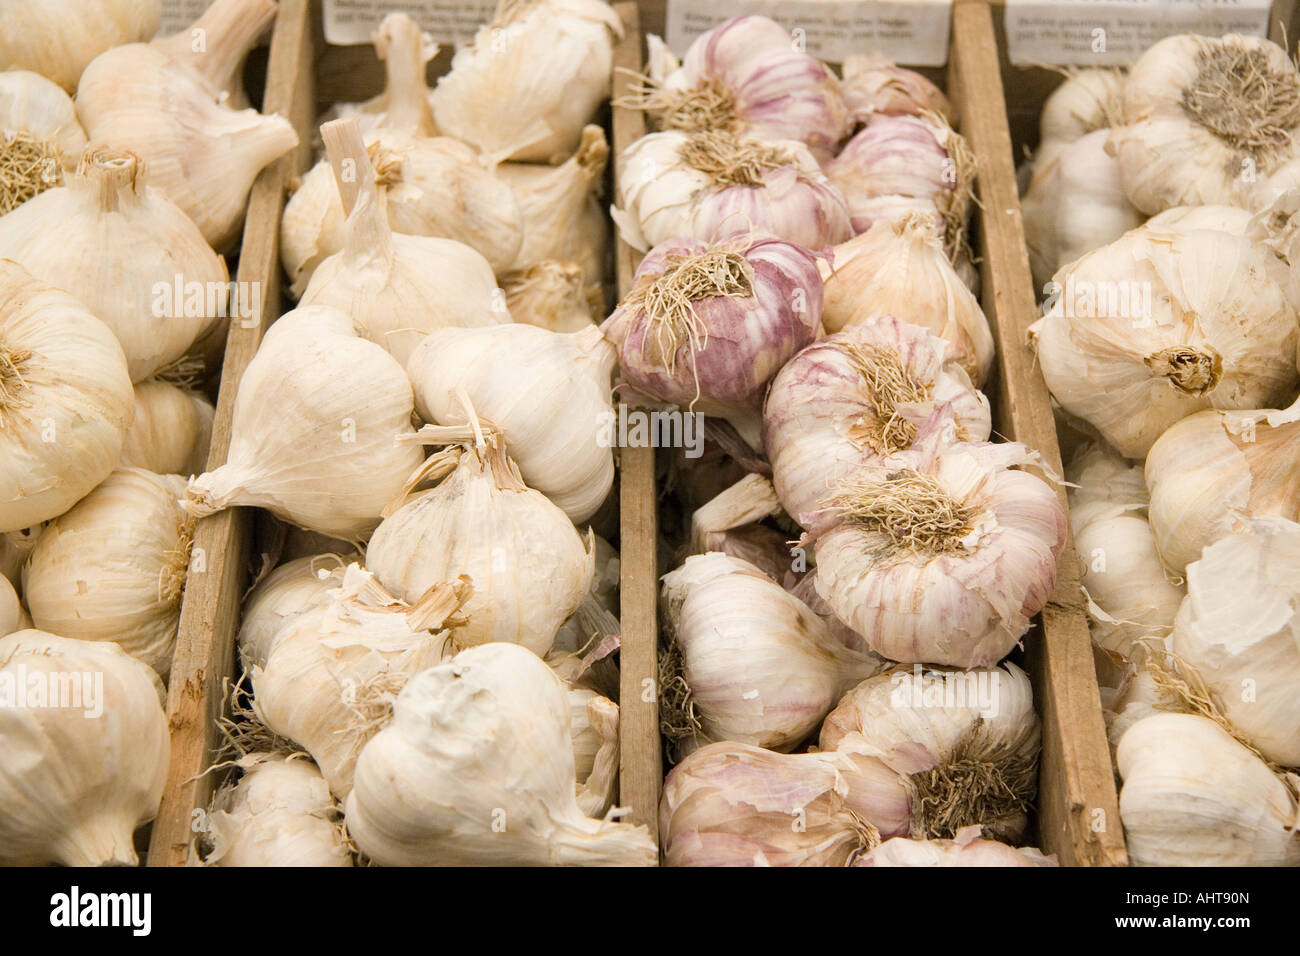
577 632
561 218
966 848
65 400
1183 218
529 566
476 768
1088 100
1155 326
1099 473
1193 796
553 295
40 137
280 598
548 393
15 546
166 101
58 38
1240 630
12 615
86 749
171 431
279 813
114 567
397 288
313 438
857 396
530 80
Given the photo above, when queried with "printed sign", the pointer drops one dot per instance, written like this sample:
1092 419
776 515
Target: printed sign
351 22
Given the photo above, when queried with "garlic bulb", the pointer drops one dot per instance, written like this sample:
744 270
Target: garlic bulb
397 288
577 632
547 392
1185 218
332 673
593 726
874 86
65 400
133 258
1101 474
279 813
171 430
530 80
1074 205
553 295
114 567
282 597
40 137
745 76
1208 120
434 185
966 743
1155 326
899 268
857 396
1213 467
1193 796
15 546
529 566
561 217
476 768
165 102
715 322
1240 630
1088 100
940 554
715 185
731 804
12 615
58 38
966 848
314 429
86 748
760 667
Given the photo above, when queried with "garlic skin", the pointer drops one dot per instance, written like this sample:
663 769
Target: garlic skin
282 597
732 804
1193 796
1101 474
1212 468
114 567
119 250
762 668
166 102
40 137
856 396
15 546
593 725
476 768
714 186
339 463
171 431
964 849
62 374
73 790
1154 327
12 615
899 268
1088 101
279 813
1207 120
1239 628
58 38
529 566
874 85
547 392
1185 218
1074 204
561 218
505 111
553 295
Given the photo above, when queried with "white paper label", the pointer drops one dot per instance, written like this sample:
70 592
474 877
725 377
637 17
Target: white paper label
1116 32
351 22
179 14
912 32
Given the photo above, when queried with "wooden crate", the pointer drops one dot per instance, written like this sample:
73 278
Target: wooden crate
1077 812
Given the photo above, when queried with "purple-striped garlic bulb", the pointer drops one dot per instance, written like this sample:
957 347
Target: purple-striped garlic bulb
874 85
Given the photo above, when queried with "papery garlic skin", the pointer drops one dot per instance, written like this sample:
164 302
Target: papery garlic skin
40 137
761 666
1154 327
337 464
548 393
530 80
171 430
62 374
1193 796
664 194
476 768
553 295
731 804
1185 218
965 849
1088 100
12 615
594 729
279 813
15 546
1239 628
73 789
1206 120
114 567
874 85
282 597
58 38
823 416
1102 474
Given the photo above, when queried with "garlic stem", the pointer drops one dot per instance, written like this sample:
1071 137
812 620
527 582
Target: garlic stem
369 236
401 46
216 44
112 175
